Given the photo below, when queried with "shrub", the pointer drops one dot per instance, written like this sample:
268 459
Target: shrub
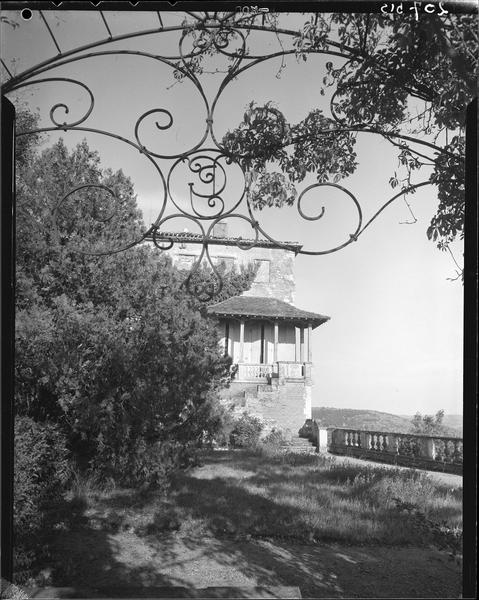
87 487
163 520
442 535
246 432
143 464
42 470
306 430
274 438
272 445
223 434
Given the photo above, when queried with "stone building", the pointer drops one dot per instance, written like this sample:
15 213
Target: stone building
268 338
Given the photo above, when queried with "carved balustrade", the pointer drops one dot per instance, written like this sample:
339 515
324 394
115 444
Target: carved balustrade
290 370
281 369
254 372
422 451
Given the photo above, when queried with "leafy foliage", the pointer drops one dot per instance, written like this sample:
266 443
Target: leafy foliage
111 348
443 536
406 80
449 176
272 189
146 465
233 282
263 137
246 432
429 424
275 438
42 469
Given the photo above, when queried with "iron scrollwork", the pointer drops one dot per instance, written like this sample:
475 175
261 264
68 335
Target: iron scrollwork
206 166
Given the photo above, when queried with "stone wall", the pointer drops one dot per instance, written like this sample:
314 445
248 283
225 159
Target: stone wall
275 277
283 406
235 393
435 453
280 283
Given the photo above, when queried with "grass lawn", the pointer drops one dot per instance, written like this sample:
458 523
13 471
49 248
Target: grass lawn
229 519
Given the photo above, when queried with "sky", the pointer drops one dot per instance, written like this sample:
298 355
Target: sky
394 341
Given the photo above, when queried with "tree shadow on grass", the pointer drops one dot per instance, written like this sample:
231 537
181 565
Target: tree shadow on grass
285 560
227 510
226 535
88 556
85 559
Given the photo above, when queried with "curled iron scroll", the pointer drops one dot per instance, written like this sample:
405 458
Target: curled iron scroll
207 34
61 105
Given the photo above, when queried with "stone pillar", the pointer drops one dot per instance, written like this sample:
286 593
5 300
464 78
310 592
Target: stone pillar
431 449
393 443
364 440
330 438
322 440
307 374
297 345
301 342
241 354
310 343
307 402
276 337
427 448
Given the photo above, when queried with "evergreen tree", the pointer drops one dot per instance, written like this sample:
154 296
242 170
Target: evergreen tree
112 348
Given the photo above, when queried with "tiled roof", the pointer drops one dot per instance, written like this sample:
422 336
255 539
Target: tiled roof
269 308
197 238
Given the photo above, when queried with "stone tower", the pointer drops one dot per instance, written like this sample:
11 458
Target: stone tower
268 338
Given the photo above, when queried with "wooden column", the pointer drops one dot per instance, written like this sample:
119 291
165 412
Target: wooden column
310 343
302 345
261 350
241 354
227 336
297 344
276 337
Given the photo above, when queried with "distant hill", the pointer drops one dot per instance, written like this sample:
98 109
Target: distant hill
375 420
454 422
361 419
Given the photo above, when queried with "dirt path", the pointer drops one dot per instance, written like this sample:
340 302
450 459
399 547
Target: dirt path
326 571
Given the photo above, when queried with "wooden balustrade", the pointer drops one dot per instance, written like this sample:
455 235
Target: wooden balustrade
420 451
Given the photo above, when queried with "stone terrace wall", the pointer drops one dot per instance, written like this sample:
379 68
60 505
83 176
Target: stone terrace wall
437 453
284 406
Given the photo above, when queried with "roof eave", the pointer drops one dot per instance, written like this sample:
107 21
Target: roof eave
315 321
226 241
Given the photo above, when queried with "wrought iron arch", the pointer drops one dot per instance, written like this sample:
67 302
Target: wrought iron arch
207 160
